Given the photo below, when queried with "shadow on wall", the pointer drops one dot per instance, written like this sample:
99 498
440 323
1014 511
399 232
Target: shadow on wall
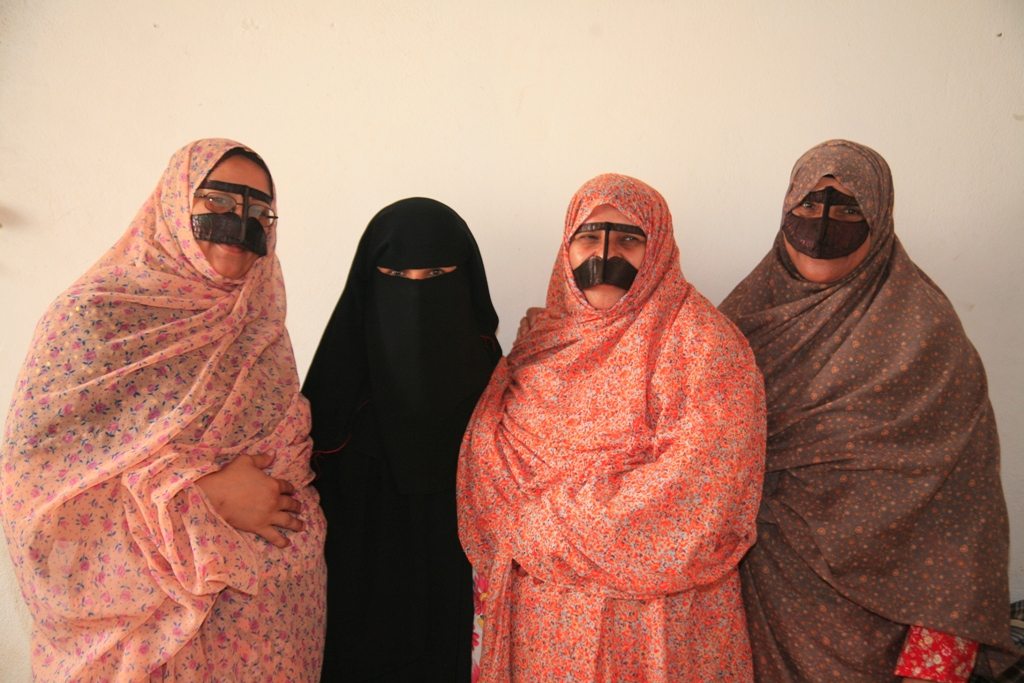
10 218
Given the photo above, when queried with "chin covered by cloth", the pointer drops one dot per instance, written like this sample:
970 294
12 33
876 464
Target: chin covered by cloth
394 380
610 476
149 372
882 503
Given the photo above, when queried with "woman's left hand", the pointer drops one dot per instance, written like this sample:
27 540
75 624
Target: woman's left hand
251 500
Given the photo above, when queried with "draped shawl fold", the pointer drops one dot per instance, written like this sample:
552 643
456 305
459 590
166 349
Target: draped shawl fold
149 372
882 503
610 476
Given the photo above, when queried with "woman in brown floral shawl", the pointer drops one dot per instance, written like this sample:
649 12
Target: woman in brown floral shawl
882 504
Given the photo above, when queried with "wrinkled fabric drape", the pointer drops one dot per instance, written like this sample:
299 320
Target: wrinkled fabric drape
610 476
149 372
396 375
882 504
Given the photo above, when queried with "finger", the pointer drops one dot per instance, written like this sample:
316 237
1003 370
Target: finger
285 487
289 504
286 521
274 536
261 460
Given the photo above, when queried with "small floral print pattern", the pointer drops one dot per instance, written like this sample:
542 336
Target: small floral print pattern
936 656
149 372
479 597
610 476
882 504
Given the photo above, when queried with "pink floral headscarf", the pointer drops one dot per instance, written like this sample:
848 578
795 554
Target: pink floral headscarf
149 372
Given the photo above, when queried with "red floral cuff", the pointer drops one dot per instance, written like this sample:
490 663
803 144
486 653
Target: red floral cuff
936 656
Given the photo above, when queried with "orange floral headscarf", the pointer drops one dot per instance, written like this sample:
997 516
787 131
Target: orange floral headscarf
617 452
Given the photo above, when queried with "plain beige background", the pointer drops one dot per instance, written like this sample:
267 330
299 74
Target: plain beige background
502 109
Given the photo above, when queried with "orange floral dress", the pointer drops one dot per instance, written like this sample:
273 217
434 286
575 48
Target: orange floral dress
149 372
610 477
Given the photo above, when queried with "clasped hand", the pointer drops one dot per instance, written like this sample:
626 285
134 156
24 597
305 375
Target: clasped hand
251 500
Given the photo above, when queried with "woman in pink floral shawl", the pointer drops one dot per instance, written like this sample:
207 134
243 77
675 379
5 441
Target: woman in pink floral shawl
154 468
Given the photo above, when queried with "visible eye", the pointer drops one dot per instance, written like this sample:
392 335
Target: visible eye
218 203
434 272
392 272
633 240
808 209
264 214
849 213
588 236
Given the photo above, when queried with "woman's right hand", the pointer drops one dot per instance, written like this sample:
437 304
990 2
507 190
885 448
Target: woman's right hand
251 500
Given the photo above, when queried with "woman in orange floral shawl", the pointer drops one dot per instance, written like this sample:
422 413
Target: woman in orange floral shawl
611 473
166 367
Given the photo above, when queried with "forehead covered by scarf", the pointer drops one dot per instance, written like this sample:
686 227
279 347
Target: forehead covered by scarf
418 233
251 156
644 207
858 167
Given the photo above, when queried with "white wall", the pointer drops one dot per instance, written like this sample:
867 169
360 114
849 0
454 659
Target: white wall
502 109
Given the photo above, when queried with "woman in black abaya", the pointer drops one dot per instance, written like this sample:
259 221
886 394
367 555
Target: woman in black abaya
407 352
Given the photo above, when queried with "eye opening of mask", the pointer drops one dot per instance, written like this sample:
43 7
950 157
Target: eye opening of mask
839 206
218 199
417 273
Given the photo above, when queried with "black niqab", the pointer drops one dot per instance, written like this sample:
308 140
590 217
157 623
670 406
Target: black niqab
420 350
393 383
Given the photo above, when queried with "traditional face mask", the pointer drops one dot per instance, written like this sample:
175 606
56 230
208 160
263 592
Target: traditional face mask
825 237
228 228
598 270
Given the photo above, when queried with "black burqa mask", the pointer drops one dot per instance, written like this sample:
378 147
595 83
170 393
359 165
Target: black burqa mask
826 237
598 270
228 227
420 351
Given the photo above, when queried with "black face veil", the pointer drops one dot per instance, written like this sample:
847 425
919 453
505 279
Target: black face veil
420 352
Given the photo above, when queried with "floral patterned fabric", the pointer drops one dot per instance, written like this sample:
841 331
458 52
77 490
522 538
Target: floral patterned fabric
936 656
609 478
479 597
149 372
882 504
